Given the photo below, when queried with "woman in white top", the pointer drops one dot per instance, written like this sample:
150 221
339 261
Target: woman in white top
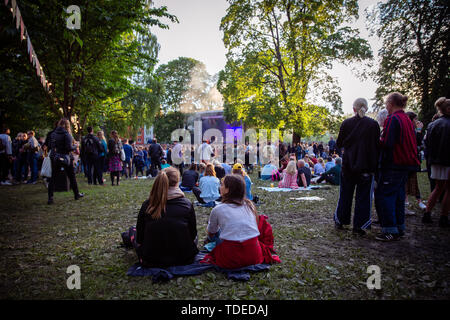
234 222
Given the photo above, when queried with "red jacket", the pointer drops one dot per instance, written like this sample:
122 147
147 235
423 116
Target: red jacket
235 254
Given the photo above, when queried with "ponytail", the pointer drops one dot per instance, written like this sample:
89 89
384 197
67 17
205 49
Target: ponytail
158 195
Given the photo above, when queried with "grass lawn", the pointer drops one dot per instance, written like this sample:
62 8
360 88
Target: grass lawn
38 242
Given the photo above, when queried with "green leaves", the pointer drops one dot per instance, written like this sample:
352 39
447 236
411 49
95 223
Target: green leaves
277 53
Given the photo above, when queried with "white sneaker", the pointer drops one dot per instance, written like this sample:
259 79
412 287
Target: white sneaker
409 212
6 183
422 205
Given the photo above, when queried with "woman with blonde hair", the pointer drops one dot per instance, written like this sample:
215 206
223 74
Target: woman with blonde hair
239 169
166 228
289 176
436 142
208 190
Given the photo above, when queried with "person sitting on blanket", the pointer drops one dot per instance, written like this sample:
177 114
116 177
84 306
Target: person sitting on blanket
190 178
239 169
289 176
236 228
303 175
208 189
333 175
166 229
266 172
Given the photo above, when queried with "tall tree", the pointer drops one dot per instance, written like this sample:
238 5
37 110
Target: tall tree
415 55
188 87
98 64
278 52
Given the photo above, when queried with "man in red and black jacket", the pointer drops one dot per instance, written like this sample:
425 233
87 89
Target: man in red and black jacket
398 158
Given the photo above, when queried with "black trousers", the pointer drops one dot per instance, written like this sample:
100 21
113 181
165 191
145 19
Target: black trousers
156 163
196 191
364 185
4 166
91 168
70 171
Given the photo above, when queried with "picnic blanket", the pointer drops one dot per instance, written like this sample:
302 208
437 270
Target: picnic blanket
196 268
276 189
308 198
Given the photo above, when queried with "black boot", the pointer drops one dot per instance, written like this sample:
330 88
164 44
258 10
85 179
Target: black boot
427 218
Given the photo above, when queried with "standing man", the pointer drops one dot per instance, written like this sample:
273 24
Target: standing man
129 153
332 146
156 153
5 156
359 137
32 147
205 151
398 158
91 149
176 155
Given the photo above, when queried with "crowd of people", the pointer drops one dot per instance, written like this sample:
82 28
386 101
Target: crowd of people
377 158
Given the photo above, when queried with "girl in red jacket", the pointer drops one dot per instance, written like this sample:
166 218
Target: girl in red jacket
242 237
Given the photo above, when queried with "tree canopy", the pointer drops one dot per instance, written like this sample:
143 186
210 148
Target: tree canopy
279 54
415 52
188 87
102 73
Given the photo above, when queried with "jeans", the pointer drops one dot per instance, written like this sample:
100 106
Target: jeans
390 200
33 162
90 168
364 184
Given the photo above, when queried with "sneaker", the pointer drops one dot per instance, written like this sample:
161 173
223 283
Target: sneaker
401 234
359 232
79 195
409 212
339 226
50 201
443 222
6 183
427 218
422 205
387 237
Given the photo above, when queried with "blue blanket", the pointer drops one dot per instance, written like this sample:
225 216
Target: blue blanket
196 268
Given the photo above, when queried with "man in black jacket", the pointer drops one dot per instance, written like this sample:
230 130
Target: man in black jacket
359 137
90 149
156 153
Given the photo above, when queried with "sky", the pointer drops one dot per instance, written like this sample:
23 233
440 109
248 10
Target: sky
198 36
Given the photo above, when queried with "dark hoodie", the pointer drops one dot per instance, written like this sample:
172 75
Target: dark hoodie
360 139
61 141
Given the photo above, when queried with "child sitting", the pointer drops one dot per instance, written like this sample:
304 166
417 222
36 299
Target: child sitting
289 176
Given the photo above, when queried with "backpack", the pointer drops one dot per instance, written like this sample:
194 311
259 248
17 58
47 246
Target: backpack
275 175
89 146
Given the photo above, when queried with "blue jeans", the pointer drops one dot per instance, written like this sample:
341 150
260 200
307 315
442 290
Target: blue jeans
390 200
33 162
